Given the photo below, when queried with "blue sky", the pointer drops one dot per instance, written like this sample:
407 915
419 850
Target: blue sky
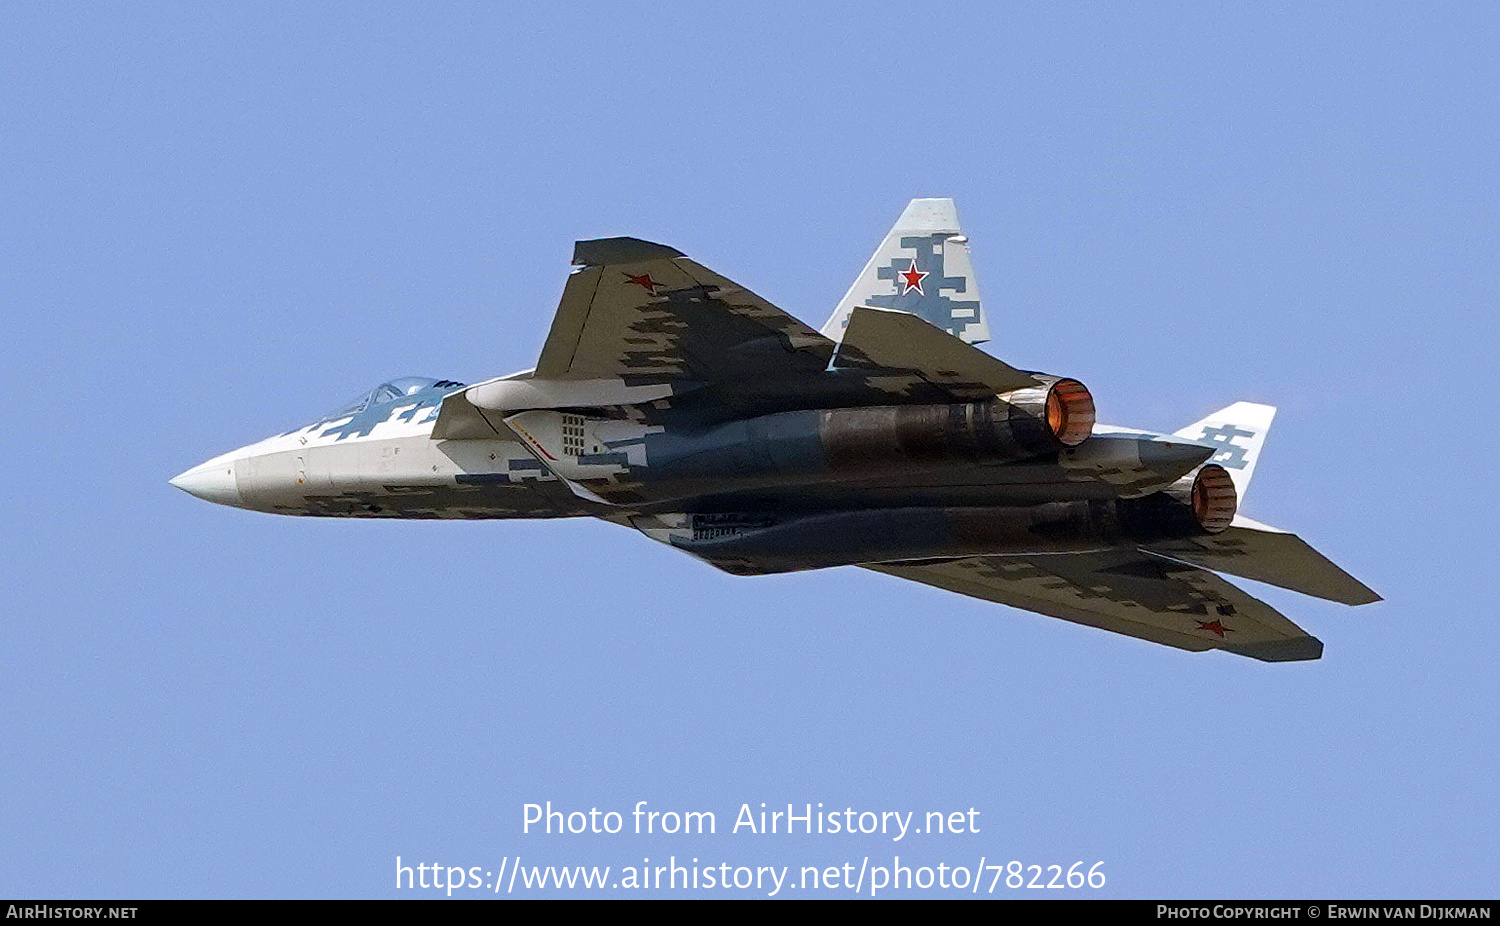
215 225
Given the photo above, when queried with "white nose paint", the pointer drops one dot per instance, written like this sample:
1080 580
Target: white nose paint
212 481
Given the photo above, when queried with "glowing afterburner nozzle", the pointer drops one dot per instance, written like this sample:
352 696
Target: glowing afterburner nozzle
1213 498
1070 412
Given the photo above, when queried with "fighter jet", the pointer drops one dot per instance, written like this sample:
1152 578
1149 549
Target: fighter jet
673 401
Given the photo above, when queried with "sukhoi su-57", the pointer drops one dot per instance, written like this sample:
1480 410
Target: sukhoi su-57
673 401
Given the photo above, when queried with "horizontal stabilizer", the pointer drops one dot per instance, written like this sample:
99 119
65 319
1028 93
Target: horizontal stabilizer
1254 551
882 338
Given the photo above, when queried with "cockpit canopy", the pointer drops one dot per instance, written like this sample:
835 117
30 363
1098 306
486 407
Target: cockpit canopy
391 390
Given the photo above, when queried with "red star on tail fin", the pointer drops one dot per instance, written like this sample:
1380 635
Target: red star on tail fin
911 279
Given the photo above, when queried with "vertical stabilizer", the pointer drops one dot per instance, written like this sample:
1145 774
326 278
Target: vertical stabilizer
1240 432
923 268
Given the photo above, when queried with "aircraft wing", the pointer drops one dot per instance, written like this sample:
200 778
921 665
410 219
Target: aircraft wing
1126 592
640 322
645 314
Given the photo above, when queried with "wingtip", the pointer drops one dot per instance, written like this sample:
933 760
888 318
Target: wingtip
1296 649
597 252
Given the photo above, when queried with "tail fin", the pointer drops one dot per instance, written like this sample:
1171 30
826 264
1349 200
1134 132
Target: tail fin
922 267
1240 432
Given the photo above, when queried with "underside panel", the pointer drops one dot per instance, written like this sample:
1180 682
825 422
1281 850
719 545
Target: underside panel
1125 592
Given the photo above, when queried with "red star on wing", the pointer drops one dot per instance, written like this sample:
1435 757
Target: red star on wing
643 280
912 279
1215 626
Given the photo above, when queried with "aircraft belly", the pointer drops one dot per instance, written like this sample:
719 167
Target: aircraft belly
1107 467
759 542
998 486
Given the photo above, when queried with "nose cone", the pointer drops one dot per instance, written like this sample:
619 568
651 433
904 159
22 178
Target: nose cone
212 481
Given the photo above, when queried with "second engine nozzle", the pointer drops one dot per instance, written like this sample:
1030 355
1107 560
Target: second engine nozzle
1211 496
1203 501
1024 423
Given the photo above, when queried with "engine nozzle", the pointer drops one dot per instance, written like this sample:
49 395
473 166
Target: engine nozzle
1070 412
1213 498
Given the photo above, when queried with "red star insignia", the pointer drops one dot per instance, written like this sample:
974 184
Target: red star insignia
643 280
1215 626
912 280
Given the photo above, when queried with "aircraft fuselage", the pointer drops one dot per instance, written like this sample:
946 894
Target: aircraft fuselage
674 401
